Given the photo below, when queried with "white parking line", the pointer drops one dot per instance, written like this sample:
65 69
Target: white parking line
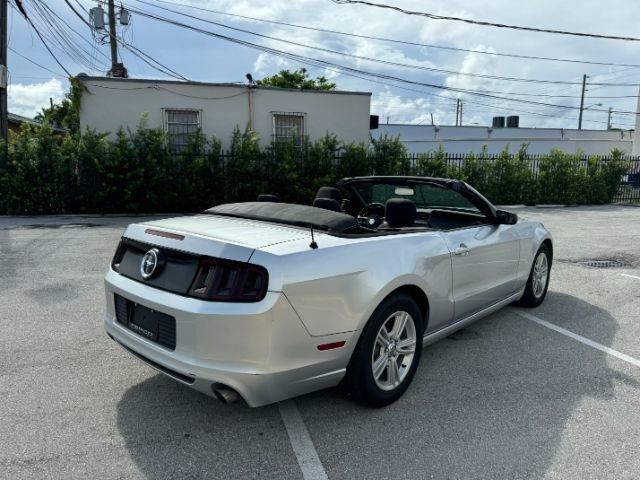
301 442
580 338
630 276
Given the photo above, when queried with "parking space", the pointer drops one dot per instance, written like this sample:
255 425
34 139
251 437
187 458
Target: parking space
504 398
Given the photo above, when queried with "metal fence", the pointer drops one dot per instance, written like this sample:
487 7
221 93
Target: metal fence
145 177
628 192
267 164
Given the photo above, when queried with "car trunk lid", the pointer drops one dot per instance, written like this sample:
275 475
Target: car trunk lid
213 235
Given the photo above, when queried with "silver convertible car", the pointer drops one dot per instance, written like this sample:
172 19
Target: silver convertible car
267 300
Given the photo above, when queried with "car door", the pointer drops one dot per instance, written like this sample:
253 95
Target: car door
484 262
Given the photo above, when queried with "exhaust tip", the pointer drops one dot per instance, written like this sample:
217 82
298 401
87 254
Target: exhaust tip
225 394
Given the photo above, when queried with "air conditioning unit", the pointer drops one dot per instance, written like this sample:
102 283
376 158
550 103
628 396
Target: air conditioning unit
498 122
513 121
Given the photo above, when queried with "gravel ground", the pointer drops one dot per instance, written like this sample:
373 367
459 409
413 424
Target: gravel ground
503 398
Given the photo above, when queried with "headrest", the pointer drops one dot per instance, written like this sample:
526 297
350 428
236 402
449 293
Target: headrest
400 212
330 192
266 197
327 204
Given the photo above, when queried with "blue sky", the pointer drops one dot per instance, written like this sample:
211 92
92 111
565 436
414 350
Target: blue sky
203 58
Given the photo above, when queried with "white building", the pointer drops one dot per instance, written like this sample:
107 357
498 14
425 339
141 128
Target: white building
636 140
471 139
182 108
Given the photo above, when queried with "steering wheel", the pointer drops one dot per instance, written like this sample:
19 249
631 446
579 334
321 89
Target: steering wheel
372 215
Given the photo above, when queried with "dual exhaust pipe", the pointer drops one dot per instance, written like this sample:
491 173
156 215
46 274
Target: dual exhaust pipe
225 394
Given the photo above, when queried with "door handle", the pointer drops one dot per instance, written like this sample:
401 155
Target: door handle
462 250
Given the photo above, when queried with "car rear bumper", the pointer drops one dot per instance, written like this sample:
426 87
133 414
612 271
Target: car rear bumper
261 350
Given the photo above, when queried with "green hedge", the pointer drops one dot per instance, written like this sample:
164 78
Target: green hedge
136 172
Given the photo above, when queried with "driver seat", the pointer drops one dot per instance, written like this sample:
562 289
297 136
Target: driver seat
327 204
330 192
400 213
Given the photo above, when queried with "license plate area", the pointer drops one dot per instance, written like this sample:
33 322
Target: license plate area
144 321
155 326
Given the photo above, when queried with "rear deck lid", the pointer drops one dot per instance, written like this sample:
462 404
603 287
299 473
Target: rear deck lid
214 236
248 233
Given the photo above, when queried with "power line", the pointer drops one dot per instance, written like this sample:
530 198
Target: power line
52 12
160 87
134 50
374 60
60 37
35 29
173 3
36 63
483 23
392 40
538 114
491 108
342 68
146 58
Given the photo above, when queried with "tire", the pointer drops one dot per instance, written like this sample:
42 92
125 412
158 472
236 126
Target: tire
370 353
534 292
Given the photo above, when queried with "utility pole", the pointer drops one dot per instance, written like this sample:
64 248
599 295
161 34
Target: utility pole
457 111
4 114
461 103
609 119
584 89
117 68
112 35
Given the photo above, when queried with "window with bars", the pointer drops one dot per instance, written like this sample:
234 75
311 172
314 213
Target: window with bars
181 124
289 125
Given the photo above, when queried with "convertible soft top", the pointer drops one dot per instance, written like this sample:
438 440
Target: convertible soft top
289 214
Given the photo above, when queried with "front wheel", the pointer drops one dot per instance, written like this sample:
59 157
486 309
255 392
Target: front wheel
538 282
387 354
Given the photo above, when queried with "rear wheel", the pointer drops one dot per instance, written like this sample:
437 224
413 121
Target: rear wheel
387 355
538 282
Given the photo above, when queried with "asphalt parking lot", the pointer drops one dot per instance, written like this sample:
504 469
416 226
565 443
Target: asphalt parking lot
508 397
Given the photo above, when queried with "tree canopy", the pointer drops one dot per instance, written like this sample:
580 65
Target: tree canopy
66 113
296 79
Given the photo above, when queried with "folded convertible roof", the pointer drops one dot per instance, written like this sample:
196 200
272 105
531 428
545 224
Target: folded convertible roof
289 214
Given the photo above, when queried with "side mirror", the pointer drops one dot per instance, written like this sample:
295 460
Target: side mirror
506 218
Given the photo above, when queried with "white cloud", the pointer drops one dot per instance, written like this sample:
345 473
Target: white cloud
619 18
406 109
267 64
383 23
28 99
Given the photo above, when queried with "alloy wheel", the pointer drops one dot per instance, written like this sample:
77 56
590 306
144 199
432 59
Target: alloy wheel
394 350
540 274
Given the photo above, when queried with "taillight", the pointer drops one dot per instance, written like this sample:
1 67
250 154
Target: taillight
229 281
117 258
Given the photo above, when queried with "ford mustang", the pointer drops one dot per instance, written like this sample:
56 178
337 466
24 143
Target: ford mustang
268 300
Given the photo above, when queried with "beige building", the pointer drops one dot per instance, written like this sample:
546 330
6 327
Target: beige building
182 108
